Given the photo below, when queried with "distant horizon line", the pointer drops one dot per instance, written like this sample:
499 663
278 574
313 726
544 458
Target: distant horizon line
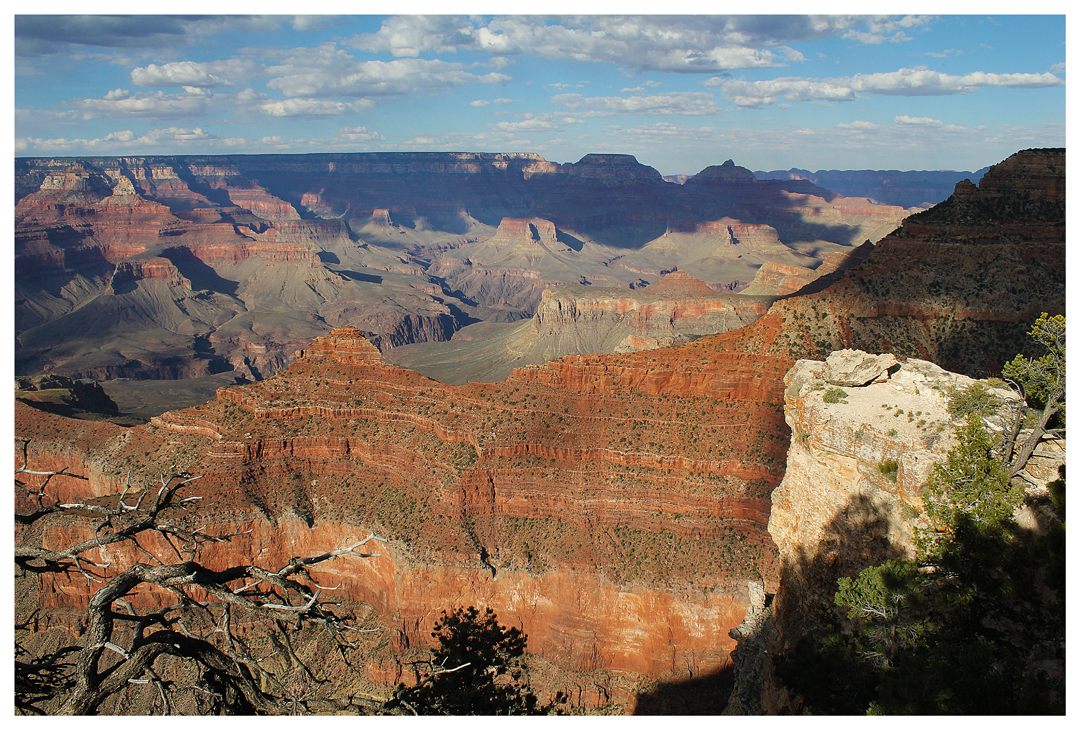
534 155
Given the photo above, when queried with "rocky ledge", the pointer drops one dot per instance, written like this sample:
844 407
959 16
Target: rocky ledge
866 431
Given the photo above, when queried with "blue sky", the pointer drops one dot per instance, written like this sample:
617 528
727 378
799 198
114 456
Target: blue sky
680 92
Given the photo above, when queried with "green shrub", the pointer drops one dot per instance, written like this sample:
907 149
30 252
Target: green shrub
834 395
975 399
889 469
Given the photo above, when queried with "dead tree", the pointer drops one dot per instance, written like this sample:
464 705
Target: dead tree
123 645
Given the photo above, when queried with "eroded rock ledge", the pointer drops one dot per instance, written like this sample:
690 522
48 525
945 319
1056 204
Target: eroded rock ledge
866 431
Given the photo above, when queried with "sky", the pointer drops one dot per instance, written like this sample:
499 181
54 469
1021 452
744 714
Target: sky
679 92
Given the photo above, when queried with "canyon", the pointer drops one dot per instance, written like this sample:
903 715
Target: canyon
613 510
216 269
628 511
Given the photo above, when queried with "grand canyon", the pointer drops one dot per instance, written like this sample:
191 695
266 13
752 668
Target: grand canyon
579 394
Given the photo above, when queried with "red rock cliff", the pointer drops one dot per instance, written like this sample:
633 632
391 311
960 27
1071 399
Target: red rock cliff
611 507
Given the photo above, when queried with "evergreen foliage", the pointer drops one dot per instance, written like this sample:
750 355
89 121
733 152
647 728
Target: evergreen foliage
1042 379
477 670
967 627
976 399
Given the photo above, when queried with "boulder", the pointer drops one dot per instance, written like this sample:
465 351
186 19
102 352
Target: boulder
854 368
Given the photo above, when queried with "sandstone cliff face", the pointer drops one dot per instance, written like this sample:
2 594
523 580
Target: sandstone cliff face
578 320
784 279
958 285
836 511
610 507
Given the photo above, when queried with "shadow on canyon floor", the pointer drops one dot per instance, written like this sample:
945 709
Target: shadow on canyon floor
704 695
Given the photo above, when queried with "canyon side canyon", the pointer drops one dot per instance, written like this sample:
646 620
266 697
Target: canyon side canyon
628 508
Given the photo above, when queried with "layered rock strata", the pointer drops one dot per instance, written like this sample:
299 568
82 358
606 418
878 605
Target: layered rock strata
407 246
958 285
611 507
678 308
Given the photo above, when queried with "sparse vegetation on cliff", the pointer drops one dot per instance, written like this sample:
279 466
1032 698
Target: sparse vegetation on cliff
976 623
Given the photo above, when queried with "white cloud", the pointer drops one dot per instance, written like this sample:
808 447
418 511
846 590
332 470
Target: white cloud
328 71
358 134
758 93
313 107
122 103
919 81
1058 68
692 44
479 103
119 142
494 78
868 39
918 121
305 23
882 28
411 35
180 73
693 103
535 123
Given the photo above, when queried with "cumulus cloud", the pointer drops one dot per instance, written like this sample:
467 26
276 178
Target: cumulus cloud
182 73
919 81
313 107
698 44
122 103
686 44
192 74
535 123
411 35
692 103
328 71
882 28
